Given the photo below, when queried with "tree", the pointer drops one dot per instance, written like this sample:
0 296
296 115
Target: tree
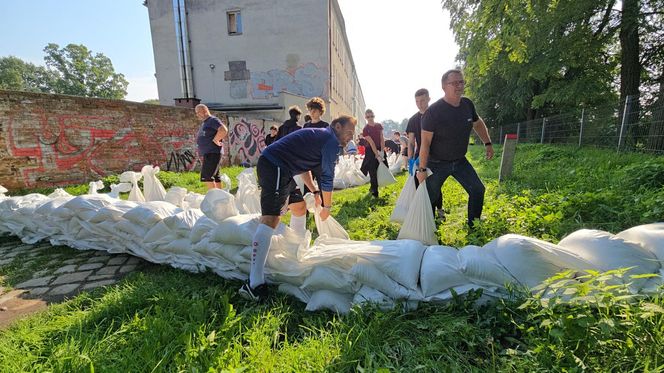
77 72
18 75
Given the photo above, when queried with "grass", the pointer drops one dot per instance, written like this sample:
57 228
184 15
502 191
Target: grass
163 319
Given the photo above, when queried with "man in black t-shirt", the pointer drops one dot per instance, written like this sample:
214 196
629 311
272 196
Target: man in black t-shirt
209 140
414 129
446 129
290 125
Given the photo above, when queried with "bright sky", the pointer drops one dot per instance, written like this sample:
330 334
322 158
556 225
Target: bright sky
398 46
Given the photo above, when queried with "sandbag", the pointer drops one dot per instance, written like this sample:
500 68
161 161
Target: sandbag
649 236
367 274
201 229
153 190
329 226
175 195
404 201
481 266
440 270
87 205
419 223
218 205
531 261
384 175
193 200
3 190
183 222
248 196
95 186
239 229
369 295
328 299
133 177
329 279
150 213
116 189
113 212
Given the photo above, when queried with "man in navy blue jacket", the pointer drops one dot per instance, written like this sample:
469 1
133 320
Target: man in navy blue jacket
295 154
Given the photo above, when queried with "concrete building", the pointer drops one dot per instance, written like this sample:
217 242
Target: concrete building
252 59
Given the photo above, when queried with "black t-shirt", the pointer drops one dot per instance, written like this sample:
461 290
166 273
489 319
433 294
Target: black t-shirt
289 126
414 128
269 139
319 124
451 128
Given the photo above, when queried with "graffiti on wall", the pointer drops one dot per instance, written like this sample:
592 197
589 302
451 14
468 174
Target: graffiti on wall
179 162
247 140
306 80
68 148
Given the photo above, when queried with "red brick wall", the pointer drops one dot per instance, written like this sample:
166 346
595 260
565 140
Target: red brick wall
53 140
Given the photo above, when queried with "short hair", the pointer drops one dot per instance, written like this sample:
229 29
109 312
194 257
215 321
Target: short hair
274 127
422 92
294 111
343 120
369 111
448 73
307 118
396 133
202 107
316 103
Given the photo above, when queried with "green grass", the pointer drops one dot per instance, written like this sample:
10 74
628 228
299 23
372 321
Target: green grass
164 319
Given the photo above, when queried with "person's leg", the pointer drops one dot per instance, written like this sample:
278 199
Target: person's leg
440 172
210 169
465 174
260 248
373 180
298 209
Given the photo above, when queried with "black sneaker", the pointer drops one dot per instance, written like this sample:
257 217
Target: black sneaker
255 295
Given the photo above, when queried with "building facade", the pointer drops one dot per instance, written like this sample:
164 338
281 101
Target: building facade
253 59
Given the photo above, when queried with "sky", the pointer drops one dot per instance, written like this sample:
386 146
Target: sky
398 46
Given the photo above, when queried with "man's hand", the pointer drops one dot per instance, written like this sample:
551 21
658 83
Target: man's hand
421 175
324 214
489 152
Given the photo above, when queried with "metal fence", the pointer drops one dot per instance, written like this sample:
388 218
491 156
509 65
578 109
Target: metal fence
626 127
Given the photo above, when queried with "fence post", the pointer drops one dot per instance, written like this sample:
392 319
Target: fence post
518 131
583 111
628 99
501 135
543 124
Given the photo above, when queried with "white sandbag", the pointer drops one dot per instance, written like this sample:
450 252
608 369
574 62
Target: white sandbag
531 261
133 177
236 230
183 222
181 247
116 189
367 274
113 212
649 236
159 234
384 175
329 226
369 295
150 213
225 182
404 201
218 205
440 270
153 190
59 192
282 258
87 205
328 299
300 294
3 190
95 186
231 253
396 165
329 279
193 200
175 195
480 265
201 229
419 223
248 196
607 252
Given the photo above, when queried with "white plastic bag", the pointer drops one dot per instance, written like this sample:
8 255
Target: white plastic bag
404 201
649 236
440 270
133 177
384 175
218 205
94 186
327 299
154 191
248 196
419 222
329 226
175 195
116 189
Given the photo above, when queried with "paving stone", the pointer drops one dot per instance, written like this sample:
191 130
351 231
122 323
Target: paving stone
40 273
66 269
6 261
35 282
127 268
97 284
116 260
27 264
98 258
99 277
110 270
71 278
39 291
73 261
12 254
53 262
85 267
133 260
64 289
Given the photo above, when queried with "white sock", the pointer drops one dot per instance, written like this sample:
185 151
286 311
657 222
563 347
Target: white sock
261 245
299 224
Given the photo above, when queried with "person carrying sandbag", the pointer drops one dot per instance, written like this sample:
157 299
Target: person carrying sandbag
374 142
295 154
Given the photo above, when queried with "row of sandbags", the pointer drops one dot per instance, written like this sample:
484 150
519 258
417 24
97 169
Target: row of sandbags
334 272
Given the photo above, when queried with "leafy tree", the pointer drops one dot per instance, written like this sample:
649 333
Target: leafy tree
18 75
77 72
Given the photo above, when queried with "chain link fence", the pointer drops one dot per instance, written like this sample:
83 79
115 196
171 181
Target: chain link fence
625 127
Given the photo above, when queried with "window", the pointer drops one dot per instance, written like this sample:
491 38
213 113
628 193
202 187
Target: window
234 22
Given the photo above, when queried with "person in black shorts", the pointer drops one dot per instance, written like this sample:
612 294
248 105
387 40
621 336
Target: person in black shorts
446 127
295 154
209 141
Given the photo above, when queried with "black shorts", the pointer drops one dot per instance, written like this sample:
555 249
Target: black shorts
210 167
278 189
